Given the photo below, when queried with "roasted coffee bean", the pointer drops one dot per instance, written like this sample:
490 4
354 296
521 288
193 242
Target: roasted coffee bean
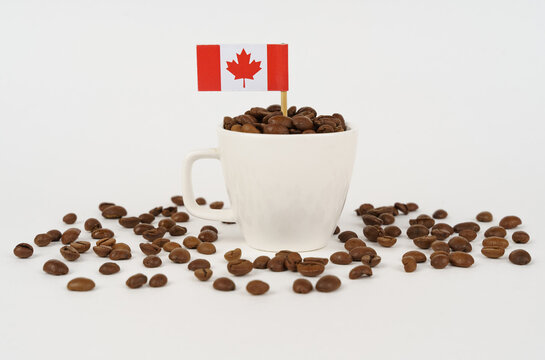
156 211
208 236
107 242
233 255
275 129
520 257
55 235
469 234
402 207
341 258
360 271
435 253
191 242
240 267
412 206
418 256
180 217
440 246
129 222
198 264
387 219
146 218
371 220
150 249
276 264
302 123
386 241
520 237
102 234
440 261
166 223
382 210
55 267
200 201
493 252
496 231
209 227
224 284
109 268
169 211
114 212
70 218
180 256
443 227
459 243
141 228
392 231
424 242
171 245
178 200
160 242
416 231
136 281
467 225
102 206
440 214
260 262
42 240
323 261
80 284
337 230
409 263
119 254
363 209
484 216
346 235
328 283
281 120
154 234
372 233
203 274
152 261
291 261
158 280
81 246
371 260
423 219
23 250
177 230
358 252
92 224
510 222
461 259
352 243
69 253
257 287
70 235
216 205
496 242
302 286
102 250
206 248
440 234
122 246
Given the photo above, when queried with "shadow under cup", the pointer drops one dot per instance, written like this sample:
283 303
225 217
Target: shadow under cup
286 191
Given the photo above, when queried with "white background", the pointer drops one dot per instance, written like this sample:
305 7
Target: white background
98 102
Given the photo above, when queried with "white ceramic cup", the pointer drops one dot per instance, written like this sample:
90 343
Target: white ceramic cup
286 191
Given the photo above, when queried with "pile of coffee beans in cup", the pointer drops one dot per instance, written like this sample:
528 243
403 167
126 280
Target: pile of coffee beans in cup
158 230
271 120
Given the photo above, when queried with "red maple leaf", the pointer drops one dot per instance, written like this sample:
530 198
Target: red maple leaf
244 69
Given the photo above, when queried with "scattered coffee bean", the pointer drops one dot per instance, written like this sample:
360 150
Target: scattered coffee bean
260 262
81 246
178 200
484 216
92 224
198 264
436 253
224 284
177 230
341 258
102 206
154 234
233 254
70 218
469 234
114 212
169 211
459 243
291 261
160 242
119 254
323 261
412 206
520 237
440 234
240 267
55 235
180 256
257 287
216 205
418 256
122 246
337 230
69 253
328 283
23 250
203 274
424 242
102 233
440 246
386 241
152 261
106 242
372 233
467 225
520 257
200 201
311 269
158 280
109 268
150 249
371 260
80 284
102 250
171 245
208 236
166 223
387 218
146 218
180 217
129 222
493 252
423 219
191 242
444 227
409 263
510 222
55 267
382 210
302 286
352 243
136 281
206 248
360 271
496 242
440 261
371 220
416 231
461 259
392 231
363 209
42 240
70 235
209 227
496 231
359 252
345 235
156 211
440 214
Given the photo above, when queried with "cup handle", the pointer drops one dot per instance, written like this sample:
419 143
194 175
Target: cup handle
187 188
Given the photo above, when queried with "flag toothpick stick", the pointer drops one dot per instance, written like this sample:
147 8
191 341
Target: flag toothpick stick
284 102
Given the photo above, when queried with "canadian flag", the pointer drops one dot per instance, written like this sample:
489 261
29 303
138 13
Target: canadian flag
261 67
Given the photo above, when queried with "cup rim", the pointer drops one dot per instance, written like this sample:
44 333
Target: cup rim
349 130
